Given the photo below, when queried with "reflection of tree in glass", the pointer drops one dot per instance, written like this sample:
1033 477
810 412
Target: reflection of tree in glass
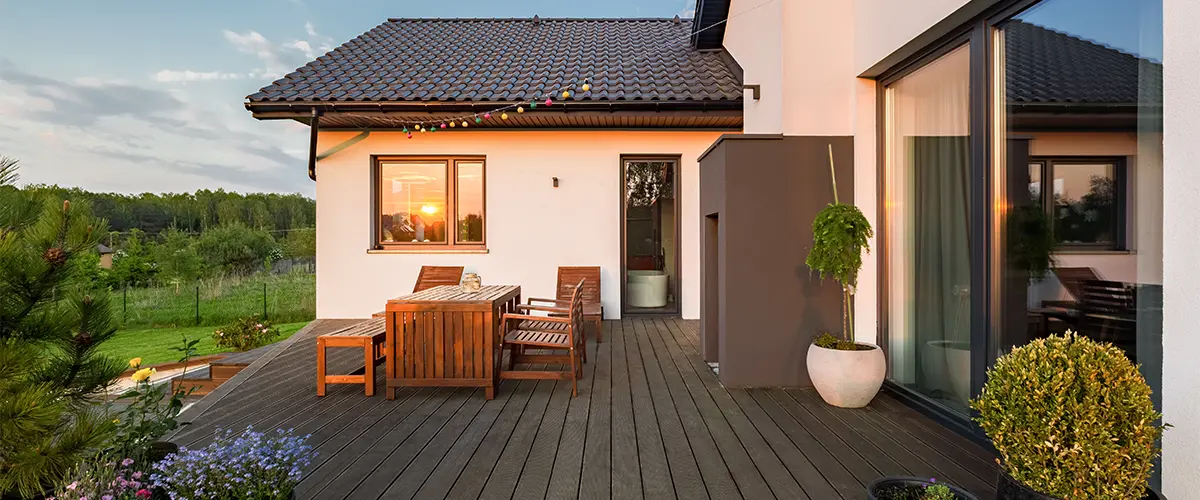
470 229
1091 218
646 182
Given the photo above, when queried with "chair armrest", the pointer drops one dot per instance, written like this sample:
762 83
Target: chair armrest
548 301
521 317
563 310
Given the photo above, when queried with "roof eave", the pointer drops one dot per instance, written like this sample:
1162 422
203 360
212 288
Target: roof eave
274 110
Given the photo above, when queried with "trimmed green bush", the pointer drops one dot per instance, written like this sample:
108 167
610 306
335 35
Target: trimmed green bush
1071 418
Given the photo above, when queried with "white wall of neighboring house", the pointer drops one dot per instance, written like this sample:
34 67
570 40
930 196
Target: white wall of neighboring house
532 227
1181 236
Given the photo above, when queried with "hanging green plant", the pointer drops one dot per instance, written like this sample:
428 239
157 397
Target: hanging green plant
841 233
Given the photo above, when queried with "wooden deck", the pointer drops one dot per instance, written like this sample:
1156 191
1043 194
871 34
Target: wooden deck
651 421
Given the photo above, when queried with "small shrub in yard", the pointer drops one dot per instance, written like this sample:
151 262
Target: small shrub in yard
149 414
246 465
1071 418
932 491
245 334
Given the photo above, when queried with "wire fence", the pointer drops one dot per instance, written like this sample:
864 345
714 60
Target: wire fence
279 298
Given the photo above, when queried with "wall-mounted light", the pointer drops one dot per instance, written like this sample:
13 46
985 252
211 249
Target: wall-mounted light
555 181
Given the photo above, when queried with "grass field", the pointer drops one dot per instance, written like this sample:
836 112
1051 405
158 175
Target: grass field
289 297
154 345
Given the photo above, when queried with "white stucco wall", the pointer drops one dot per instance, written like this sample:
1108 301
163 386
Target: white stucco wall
754 37
1181 232
532 227
883 26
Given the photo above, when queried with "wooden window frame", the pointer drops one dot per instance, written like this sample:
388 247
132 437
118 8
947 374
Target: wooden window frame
1120 177
451 245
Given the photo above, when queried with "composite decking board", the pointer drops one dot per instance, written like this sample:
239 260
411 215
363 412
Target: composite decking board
932 452
717 481
328 466
475 415
685 473
503 479
978 459
773 470
652 454
402 457
387 441
814 484
475 474
535 476
626 475
534 440
750 482
442 479
845 457
596 474
860 443
830 470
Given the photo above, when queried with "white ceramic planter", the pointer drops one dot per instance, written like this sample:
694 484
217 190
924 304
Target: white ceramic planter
947 364
846 379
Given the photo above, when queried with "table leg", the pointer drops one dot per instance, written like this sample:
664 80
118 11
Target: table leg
369 368
320 367
389 352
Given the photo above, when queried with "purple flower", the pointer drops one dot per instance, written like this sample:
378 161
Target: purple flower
127 462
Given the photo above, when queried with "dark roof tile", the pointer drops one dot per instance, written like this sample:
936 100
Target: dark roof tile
466 60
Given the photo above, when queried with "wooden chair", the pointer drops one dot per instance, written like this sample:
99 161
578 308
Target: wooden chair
593 311
369 336
432 276
570 339
1108 313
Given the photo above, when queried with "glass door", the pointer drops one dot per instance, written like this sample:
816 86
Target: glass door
928 257
650 227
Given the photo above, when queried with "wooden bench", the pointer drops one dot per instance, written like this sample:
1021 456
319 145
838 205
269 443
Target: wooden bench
368 335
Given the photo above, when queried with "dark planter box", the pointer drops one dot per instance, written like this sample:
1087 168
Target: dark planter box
882 484
1008 488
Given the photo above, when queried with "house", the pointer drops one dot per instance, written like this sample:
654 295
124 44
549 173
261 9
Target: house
106 255
688 158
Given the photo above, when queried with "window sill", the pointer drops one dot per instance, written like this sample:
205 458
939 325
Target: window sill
1090 251
429 251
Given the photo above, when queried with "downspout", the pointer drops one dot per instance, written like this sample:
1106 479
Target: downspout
314 125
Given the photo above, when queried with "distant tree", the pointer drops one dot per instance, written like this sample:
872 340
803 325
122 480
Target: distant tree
236 248
301 243
133 263
50 366
177 258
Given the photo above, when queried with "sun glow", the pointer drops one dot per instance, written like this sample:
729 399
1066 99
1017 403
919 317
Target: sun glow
428 209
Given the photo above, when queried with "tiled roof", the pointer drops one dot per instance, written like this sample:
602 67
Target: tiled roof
1045 66
489 60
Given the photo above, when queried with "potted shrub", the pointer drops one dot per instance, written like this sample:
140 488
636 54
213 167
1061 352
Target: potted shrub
1071 418
846 373
244 465
914 488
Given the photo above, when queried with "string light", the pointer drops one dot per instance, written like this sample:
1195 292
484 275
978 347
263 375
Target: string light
567 93
452 124
586 87
503 116
464 124
477 120
520 109
548 101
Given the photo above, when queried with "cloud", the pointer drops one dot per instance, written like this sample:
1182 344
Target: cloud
688 11
278 59
127 138
172 76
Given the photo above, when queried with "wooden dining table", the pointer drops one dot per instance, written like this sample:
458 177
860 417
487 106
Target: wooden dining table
447 337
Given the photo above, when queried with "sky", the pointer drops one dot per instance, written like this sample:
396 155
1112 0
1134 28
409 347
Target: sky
139 96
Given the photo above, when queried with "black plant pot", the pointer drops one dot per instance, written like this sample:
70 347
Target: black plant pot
160 449
881 485
1008 488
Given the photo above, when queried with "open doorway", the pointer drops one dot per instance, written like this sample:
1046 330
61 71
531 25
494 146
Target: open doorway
650 235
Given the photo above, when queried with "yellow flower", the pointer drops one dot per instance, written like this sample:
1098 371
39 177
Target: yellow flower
135 362
116 420
143 374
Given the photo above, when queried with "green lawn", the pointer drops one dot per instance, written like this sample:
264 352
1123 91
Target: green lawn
218 301
154 345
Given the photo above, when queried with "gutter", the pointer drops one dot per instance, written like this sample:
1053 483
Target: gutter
313 127
301 109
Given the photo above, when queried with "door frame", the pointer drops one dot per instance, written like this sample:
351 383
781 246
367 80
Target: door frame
676 289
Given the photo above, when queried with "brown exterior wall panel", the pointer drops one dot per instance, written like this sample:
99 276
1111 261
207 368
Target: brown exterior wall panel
766 192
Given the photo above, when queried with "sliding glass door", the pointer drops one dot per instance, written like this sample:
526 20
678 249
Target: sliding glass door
1022 193
927 159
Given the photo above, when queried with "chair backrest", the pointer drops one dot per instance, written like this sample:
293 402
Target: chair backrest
576 314
1072 279
432 276
1108 313
569 276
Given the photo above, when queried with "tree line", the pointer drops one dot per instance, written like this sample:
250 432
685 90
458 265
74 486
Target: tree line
171 238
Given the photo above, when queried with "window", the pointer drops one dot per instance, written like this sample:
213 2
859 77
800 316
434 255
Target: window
1084 199
429 203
